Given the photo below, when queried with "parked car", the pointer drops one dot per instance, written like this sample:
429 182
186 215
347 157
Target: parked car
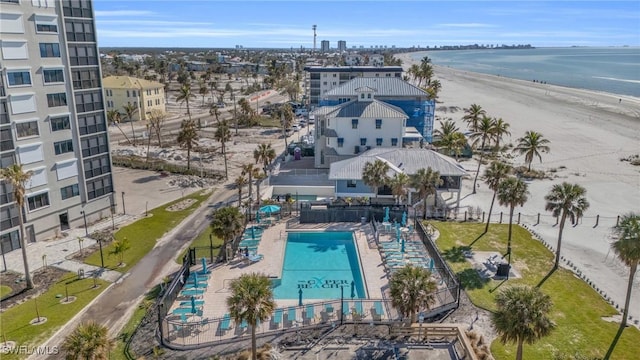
302 112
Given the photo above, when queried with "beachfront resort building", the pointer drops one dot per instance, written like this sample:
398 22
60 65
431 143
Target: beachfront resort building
52 118
144 95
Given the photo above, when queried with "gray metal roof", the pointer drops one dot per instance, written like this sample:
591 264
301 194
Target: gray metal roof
348 69
323 110
384 86
330 133
367 109
409 161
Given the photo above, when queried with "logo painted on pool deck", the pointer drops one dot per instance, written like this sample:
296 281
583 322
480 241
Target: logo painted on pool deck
321 283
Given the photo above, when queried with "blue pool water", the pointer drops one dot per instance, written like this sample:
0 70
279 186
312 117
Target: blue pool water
320 263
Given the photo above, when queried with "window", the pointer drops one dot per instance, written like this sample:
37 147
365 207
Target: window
99 187
378 123
63 147
60 123
96 166
324 83
378 141
127 93
361 96
69 191
53 76
6 193
7 159
363 141
149 103
354 123
6 140
148 91
59 99
94 145
82 55
394 141
11 23
9 241
89 124
77 8
22 103
38 201
18 78
4 115
9 217
67 169
368 96
46 24
49 50
351 183
14 50
79 30
108 92
340 142
90 101
85 79
27 128
30 153
334 83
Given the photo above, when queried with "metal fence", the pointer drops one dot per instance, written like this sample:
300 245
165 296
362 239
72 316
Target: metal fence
309 215
172 291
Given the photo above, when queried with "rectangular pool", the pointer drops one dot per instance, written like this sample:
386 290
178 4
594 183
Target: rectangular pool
319 264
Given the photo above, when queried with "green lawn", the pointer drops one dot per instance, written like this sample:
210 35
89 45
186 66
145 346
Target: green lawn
144 233
15 321
577 307
200 242
4 291
269 122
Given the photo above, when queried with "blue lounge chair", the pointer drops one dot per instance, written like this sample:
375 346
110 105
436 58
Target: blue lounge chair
291 315
358 307
182 311
277 317
377 307
246 243
244 325
255 258
188 303
192 292
310 312
225 323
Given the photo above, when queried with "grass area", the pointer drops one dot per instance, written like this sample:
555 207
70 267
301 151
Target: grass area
203 241
15 321
144 233
4 291
265 121
577 311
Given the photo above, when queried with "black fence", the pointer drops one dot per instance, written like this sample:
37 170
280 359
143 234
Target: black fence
309 215
172 291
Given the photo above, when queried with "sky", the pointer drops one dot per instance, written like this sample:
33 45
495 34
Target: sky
287 24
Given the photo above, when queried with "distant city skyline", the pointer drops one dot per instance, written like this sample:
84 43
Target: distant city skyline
287 24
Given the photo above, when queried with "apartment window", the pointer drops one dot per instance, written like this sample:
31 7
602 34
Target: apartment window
59 99
49 50
96 166
378 141
38 201
69 191
368 96
351 183
6 140
11 1
334 75
90 101
82 55
363 141
18 78
46 24
127 93
149 103
394 141
90 124
108 92
340 142
354 123
4 114
79 30
148 91
7 159
334 83
324 83
157 101
85 79
63 147
99 187
60 123
361 96
52 76
6 193
94 145
378 123
26 129
9 217
77 8
157 91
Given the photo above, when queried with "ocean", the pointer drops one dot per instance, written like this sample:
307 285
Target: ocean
612 70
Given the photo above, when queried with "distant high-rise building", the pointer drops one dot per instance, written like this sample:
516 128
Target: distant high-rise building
342 45
52 119
324 46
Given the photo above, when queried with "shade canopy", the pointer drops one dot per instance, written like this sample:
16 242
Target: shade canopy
270 209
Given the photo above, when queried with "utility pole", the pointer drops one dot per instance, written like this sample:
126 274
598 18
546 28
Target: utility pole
314 27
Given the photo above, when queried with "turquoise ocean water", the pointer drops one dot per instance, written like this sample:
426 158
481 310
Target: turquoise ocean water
613 70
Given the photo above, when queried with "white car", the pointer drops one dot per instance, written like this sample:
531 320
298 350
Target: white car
295 127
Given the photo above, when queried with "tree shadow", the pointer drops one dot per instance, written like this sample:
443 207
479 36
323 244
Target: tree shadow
456 254
614 343
546 277
497 286
478 238
470 279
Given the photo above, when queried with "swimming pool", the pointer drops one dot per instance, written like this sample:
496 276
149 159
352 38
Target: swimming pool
319 264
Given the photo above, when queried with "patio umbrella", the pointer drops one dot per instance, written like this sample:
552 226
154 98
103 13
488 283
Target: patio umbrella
258 217
253 233
270 209
386 214
431 264
404 219
402 246
398 233
299 297
193 305
204 265
353 289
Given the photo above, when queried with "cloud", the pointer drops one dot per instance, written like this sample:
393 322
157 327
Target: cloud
107 13
467 25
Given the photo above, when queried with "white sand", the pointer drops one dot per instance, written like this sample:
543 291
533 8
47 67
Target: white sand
589 132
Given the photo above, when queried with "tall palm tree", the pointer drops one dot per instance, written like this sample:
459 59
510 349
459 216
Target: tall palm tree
399 184
473 116
18 177
203 90
286 116
223 135
455 143
447 127
113 116
500 129
252 301
129 111
240 182
88 341
627 247
412 290
227 224
522 316
258 176
264 154
566 200
184 96
426 182
530 145
512 192
249 170
374 174
481 135
493 176
188 138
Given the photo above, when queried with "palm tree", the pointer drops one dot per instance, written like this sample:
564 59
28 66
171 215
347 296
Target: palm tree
412 290
184 95
227 224
426 182
532 144
493 176
399 183
500 129
375 175
119 248
265 154
114 118
249 170
473 115
522 316
286 116
447 128
213 110
627 247
17 178
188 138
223 135
483 132
203 91
512 192
566 200
88 341
240 182
455 143
258 176
252 301
129 111
156 121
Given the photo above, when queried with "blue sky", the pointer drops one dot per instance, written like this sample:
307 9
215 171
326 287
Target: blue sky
286 24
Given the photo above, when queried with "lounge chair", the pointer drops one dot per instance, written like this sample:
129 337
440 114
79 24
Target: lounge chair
182 311
277 317
192 292
358 311
248 243
244 325
188 303
309 313
291 315
377 309
255 258
225 323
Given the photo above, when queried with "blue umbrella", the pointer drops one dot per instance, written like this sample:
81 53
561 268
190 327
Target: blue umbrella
299 297
386 214
402 246
398 232
404 219
353 289
431 264
193 305
270 209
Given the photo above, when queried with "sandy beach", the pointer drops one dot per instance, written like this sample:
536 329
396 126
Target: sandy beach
589 132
